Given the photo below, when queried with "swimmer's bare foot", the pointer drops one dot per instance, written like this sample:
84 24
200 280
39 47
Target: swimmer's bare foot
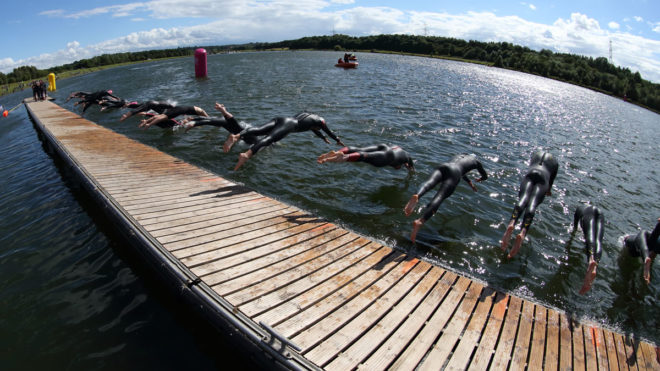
516 245
417 224
507 235
590 276
332 156
647 270
242 158
231 140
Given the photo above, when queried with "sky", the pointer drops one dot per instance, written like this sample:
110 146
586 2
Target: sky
44 33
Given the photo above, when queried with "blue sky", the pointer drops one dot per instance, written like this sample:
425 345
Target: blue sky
46 33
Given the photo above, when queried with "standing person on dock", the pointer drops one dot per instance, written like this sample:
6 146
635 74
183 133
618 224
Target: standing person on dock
448 175
536 184
228 122
379 155
278 128
645 245
171 113
591 219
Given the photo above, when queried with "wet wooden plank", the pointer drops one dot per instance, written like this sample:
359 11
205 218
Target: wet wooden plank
425 339
552 341
578 348
521 348
537 350
590 352
397 342
620 351
508 335
443 346
488 340
612 356
651 356
565 344
461 357
370 316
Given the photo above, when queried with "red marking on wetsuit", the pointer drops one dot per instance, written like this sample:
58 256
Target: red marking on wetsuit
211 179
409 265
322 227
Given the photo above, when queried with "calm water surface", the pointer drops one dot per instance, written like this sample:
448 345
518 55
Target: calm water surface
69 295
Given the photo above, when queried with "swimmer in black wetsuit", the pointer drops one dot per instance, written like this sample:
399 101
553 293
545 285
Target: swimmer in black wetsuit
536 184
278 128
378 155
87 100
448 175
171 113
645 245
228 121
150 105
591 219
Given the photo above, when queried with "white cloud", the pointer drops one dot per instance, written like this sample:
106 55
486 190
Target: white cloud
532 6
236 21
639 19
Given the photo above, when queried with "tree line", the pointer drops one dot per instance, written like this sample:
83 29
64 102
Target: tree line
598 74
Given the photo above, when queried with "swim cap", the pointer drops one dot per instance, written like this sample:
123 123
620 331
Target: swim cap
109 91
4 114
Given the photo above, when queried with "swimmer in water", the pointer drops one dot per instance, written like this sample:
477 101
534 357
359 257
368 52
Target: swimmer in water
378 155
448 175
278 128
228 122
536 184
591 219
645 245
144 107
87 100
171 113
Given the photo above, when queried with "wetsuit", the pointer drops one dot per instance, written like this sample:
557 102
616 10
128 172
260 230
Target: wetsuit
96 97
163 124
379 155
230 124
536 183
77 94
118 103
280 127
591 220
151 105
448 175
638 245
179 110
654 239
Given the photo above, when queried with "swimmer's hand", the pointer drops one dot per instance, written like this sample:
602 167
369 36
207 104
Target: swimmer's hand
343 145
410 206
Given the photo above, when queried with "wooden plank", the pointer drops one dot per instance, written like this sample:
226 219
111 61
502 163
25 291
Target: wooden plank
578 348
507 336
538 338
590 350
329 324
612 356
371 315
620 351
601 348
260 276
296 304
521 348
290 285
425 339
631 356
470 339
651 356
565 344
443 346
396 343
488 340
313 314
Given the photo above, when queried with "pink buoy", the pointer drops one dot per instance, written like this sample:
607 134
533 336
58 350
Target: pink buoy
200 63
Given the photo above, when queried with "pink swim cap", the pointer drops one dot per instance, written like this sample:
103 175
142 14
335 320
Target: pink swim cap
109 91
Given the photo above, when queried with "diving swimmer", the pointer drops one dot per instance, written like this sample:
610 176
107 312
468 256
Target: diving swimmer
591 219
228 121
150 105
448 175
278 128
645 245
536 184
379 155
171 113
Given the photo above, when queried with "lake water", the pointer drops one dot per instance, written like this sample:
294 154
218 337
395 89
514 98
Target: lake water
71 295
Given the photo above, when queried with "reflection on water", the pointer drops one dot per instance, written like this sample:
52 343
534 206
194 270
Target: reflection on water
607 150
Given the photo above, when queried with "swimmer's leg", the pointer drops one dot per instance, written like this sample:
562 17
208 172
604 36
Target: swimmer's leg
507 235
590 276
231 140
417 224
242 158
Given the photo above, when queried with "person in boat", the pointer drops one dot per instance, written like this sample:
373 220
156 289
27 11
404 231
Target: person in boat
150 105
278 128
536 184
447 175
227 121
379 155
646 245
591 219
171 113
